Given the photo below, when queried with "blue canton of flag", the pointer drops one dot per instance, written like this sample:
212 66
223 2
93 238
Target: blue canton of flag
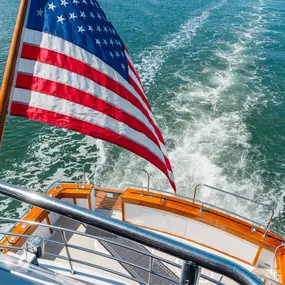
83 23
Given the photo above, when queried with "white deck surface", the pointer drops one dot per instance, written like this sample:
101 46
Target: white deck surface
99 277
83 272
264 272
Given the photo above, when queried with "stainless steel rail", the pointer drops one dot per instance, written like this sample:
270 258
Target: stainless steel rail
147 238
65 244
55 228
198 186
269 280
112 166
194 199
69 258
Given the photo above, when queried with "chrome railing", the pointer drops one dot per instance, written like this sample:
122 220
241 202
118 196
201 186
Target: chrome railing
114 167
194 199
204 203
65 244
267 280
164 244
198 186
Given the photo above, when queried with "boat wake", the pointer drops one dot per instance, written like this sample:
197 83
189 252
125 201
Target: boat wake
152 59
211 92
210 140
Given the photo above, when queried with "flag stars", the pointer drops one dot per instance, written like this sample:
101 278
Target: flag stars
88 22
60 19
51 6
81 30
82 15
72 16
40 13
64 3
98 42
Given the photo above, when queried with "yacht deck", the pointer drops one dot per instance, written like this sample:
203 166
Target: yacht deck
96 276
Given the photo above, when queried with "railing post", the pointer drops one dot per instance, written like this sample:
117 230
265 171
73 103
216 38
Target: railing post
268 224
136 234
67 250
148 181
190 274
150 270
195 191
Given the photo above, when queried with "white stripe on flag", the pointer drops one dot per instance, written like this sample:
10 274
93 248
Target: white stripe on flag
63 76
77 111
133 76
56 44
129 58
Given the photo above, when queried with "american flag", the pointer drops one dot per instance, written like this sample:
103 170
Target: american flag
75 72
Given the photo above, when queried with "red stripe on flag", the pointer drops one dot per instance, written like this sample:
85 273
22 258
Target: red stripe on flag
62 61
135 73
126 49
133 68
77 125
56 89
139 91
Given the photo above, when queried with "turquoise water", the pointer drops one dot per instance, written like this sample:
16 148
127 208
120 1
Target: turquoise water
214 73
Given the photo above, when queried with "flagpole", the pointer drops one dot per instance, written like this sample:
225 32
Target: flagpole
8 78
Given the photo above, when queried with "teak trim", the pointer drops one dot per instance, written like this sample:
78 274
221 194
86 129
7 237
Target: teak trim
210 217
280 264
213 218
36 214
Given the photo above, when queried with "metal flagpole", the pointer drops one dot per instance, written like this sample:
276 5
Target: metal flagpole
8 78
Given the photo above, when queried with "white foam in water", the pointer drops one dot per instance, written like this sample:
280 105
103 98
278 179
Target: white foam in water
203 137
211 135
208 143
46 160
152 59
49 149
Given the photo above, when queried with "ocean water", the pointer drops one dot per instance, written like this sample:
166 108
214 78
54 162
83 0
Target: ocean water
214 74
